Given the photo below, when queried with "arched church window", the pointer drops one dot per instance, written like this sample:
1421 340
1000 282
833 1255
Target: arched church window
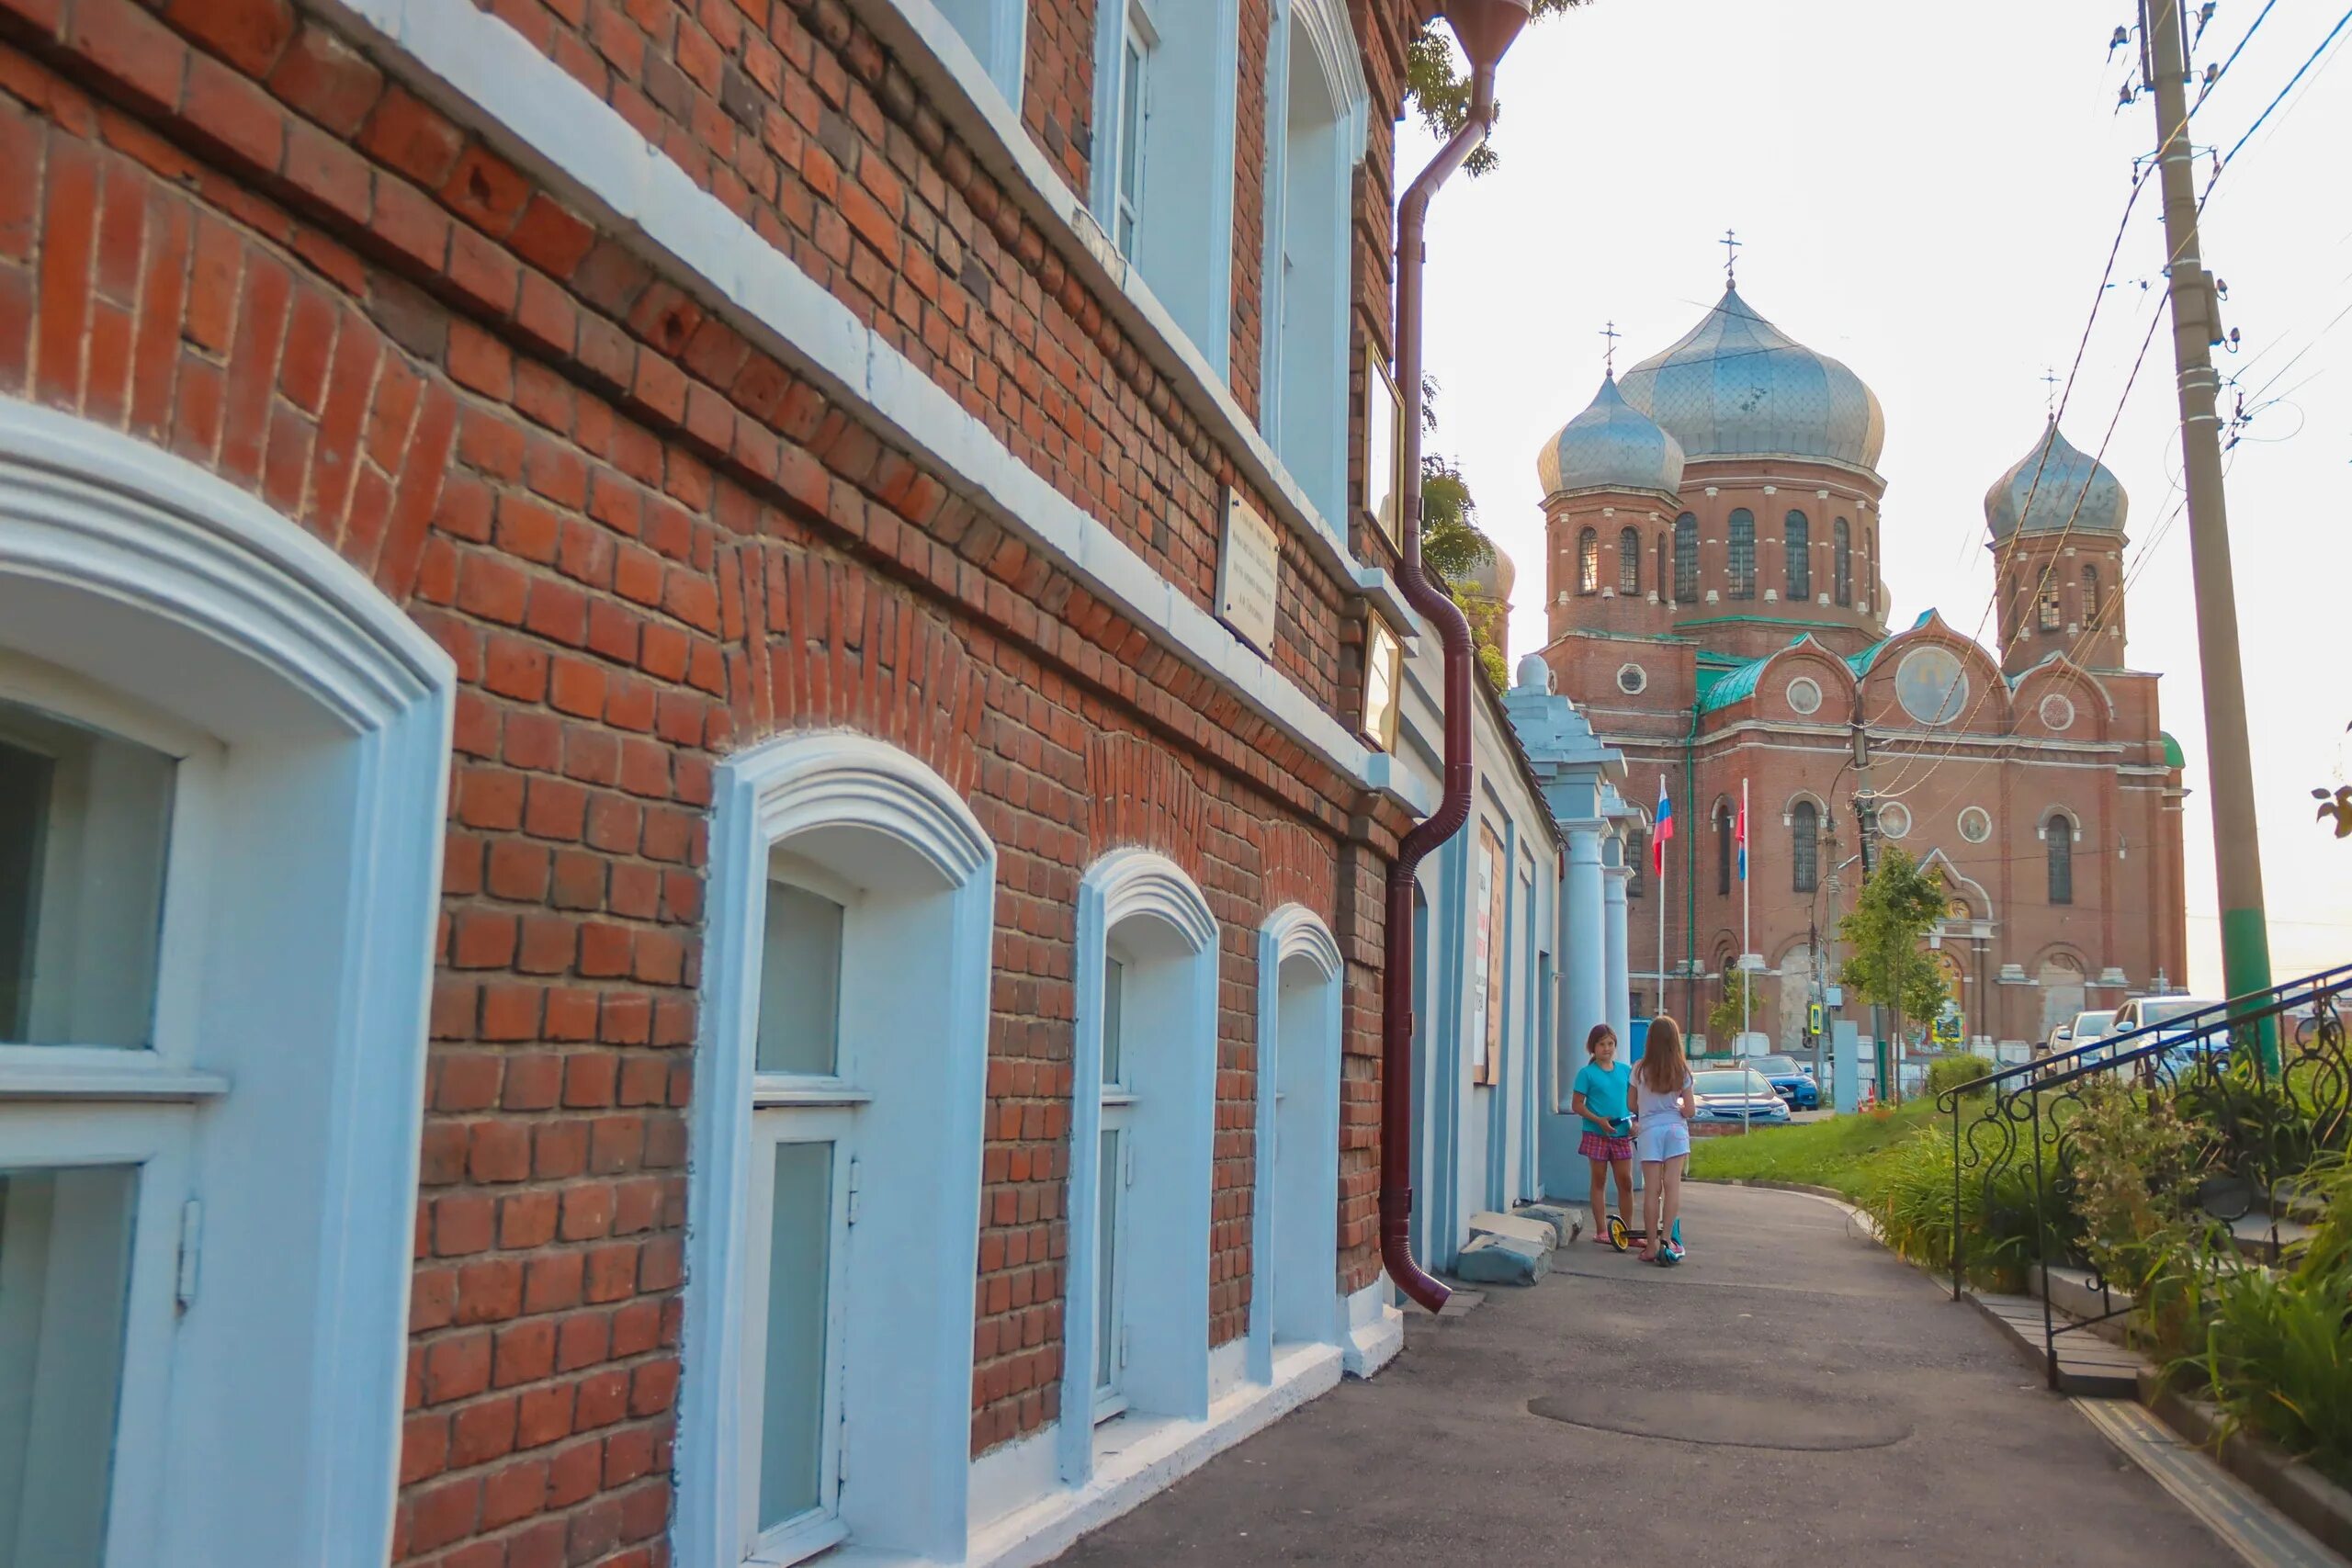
1589 562
1629 563
2050 617
2058 836
2013 612
1844 537
1723 847
1665 581
2091 605
1637 859
1742 554
1869 569
1804 845
1798 548
1685 559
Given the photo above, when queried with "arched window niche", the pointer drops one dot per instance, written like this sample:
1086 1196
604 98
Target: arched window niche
1796 547
1134 1321
839 867
1629 563
1588 562
1685 559
1742 554
1842 532
1295 1237
257 1060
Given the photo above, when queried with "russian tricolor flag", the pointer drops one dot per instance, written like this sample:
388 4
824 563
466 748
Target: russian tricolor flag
1739 833
1663 831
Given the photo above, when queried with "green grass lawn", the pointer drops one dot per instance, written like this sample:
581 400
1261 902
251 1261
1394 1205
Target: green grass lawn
1847 1154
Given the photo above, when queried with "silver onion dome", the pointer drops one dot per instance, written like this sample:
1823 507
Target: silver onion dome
2055 489
1611 446
1737 386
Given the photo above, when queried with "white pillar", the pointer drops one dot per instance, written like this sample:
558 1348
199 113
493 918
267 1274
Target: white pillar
1618 997
1585 966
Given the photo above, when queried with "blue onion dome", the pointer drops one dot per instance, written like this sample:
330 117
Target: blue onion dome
2055 489
1495 578
1611 446
1736 386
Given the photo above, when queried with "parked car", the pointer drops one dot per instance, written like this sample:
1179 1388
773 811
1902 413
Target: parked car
2061 1039
2089 1028
1791 1080
2153 1012
1737 1095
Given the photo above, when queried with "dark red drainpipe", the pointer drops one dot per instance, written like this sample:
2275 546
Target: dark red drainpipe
1486 28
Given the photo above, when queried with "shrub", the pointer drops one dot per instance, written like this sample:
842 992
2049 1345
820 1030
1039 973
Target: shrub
1914 1209
1958 1072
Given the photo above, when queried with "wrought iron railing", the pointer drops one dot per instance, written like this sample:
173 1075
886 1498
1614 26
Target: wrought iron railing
2266 1078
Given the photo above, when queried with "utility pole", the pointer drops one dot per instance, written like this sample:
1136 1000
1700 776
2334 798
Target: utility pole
1885 1057
2196 327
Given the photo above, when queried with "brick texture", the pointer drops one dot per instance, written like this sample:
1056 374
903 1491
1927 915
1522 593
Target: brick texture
645 543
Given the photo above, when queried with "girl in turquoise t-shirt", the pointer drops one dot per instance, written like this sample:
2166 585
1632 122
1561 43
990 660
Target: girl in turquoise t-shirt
1601 1089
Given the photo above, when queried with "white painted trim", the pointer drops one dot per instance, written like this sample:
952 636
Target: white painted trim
1168 1284
1375 1330
1332 35
792 786
999 56
1293 931
490 78
1148 1457
141 571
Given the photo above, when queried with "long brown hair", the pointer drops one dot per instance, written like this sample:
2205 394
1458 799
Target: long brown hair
1662 1068
1600 1032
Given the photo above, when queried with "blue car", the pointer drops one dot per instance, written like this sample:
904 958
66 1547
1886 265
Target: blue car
1791 1080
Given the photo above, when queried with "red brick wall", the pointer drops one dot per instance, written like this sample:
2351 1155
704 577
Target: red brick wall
645 543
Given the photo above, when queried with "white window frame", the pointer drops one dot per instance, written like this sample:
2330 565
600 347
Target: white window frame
900 1367
1295 1225
1315 394
1182 205
1141 904
1110 1393
262 1423
1128 156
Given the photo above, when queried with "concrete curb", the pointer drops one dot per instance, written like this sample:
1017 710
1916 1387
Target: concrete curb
2289 1484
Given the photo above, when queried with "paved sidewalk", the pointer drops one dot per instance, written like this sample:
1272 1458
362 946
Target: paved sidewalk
1808 1400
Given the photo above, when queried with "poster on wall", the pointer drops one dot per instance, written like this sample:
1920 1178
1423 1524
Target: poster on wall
1384 451
1482 942
1249 573
1496 888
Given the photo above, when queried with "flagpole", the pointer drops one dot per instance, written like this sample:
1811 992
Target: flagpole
1660 876
1747 934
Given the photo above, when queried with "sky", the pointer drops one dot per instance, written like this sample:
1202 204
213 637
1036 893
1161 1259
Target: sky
1929 193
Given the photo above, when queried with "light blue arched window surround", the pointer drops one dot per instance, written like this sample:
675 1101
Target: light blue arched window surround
1317 108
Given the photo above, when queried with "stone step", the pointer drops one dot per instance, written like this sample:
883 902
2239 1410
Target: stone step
2265 1237
2087 1366
1503 1261
1517 1227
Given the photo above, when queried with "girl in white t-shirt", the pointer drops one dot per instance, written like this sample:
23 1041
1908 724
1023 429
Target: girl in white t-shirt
1664 1102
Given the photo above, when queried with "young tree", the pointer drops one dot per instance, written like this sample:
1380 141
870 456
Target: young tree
1727 1017
1899 903
1439 92
1453 545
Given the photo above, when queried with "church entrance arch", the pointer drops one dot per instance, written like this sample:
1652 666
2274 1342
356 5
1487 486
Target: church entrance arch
2062 990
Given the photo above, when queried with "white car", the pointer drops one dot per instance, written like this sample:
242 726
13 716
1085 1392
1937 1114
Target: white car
2153 1012
2089 1027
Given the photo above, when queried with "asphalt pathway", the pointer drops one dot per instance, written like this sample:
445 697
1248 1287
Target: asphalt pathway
1791 1394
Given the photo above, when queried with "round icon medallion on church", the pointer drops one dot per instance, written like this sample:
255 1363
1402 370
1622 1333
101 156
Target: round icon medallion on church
1632 680
2058 711
1895 820
1975 824
1931 685
1804 694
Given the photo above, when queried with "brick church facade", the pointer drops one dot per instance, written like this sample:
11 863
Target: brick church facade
657 909
1715 607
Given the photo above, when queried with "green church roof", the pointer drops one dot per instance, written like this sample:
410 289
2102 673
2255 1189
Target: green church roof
2174 756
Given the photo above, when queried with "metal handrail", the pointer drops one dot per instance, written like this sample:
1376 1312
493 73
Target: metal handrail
2026 1099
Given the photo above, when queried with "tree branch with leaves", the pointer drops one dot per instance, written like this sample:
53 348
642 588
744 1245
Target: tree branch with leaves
1899 903
1439 90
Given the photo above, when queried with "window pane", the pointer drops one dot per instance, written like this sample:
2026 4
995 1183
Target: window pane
64 1275
1106 1253
1131 90
792 1417
84 817
1114 1010
800 983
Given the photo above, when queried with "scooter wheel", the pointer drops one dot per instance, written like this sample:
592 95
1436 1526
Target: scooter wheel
1619 1236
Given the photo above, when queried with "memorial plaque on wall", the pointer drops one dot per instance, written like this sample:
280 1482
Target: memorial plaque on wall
1384 452
1249 573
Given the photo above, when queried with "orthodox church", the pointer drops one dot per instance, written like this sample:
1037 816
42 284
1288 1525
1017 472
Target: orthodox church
1714 609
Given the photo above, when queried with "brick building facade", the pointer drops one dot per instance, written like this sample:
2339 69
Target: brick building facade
1715 610
596 525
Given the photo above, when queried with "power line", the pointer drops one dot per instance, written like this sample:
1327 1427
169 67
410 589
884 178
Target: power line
2341 23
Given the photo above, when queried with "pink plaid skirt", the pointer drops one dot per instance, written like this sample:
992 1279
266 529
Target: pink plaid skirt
1601 1146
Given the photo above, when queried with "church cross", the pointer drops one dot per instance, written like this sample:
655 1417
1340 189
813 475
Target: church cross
1610 353
1730 243
2050 380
